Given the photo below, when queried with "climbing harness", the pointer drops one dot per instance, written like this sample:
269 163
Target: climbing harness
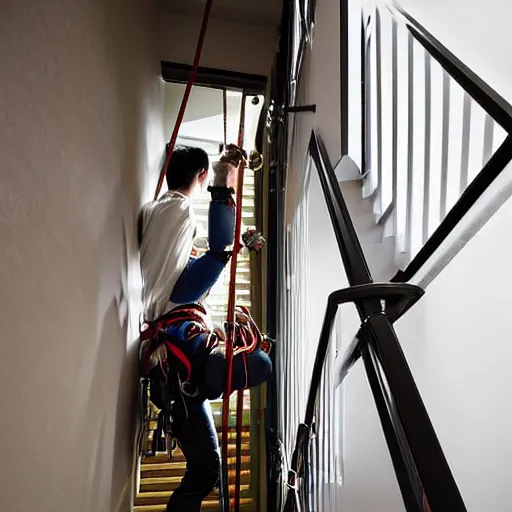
167 369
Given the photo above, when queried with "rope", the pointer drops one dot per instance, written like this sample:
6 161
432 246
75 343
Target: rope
230 317
186 95
238 459
225 115
240 392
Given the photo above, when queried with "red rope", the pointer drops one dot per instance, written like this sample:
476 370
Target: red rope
184 101
238 459
225 115
230 317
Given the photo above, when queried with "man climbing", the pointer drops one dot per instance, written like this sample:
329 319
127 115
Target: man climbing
181 352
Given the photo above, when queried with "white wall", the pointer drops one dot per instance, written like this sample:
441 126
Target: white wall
461 356
456 338
478 33
318 85
233 46
80 137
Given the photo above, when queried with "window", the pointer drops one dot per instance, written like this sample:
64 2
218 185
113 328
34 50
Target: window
208 133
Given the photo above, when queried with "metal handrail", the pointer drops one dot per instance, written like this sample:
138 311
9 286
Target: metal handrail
424 476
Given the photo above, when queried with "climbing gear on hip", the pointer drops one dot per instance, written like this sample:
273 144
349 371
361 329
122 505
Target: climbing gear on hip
174 339
255 161
253 240
169 347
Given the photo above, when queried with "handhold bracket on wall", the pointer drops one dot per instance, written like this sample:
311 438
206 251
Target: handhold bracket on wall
301 108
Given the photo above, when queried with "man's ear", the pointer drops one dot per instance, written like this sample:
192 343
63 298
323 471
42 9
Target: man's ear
203 175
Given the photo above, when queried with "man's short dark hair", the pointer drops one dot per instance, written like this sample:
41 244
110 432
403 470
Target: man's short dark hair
185 164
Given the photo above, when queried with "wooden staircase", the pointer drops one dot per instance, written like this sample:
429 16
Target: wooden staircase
159 477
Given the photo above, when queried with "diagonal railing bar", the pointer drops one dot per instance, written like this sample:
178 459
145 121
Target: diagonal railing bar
344 231
494 167
494 104
435 474
371 292
407 476
456 76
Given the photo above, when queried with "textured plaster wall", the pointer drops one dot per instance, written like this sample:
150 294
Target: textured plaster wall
80 135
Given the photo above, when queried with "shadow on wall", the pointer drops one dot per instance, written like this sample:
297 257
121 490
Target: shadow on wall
82 103
141 137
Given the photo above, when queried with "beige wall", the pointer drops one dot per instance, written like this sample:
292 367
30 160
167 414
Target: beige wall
81 132
203 102
233 46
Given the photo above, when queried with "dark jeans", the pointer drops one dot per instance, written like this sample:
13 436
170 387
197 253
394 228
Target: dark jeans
198 441
196 433
258 366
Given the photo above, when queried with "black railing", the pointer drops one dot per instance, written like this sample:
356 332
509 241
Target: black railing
277 133
424 476
494 105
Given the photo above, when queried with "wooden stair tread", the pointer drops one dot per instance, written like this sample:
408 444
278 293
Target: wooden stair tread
244 474
159 476
179 457
173 464
232 436
178 468
162 497
171 483
244 489
207 505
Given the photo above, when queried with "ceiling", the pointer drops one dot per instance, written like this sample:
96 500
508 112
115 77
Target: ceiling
252 12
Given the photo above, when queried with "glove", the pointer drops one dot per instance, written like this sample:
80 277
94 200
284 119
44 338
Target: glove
233 155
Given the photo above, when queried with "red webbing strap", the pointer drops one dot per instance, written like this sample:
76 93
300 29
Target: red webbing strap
230 317
184 101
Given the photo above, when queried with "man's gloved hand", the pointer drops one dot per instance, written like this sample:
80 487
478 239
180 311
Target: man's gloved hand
232 154
224 174
225 169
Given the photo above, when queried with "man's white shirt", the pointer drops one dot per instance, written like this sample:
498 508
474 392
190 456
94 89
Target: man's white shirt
168 231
